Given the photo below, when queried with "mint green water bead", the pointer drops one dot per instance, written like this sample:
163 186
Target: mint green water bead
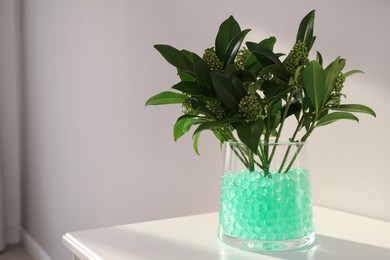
270 183
262 181
250 177
277 177
256 174
273 208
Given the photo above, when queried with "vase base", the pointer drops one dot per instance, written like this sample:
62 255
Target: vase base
267 246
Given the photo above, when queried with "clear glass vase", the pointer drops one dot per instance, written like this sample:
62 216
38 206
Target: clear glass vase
265 202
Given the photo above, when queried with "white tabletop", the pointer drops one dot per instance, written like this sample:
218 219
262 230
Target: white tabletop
339 236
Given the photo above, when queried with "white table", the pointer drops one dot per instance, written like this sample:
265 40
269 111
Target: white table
339 236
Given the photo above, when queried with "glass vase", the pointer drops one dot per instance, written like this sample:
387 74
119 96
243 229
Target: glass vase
265 202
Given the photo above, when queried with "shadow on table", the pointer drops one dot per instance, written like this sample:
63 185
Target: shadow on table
139 245
326 248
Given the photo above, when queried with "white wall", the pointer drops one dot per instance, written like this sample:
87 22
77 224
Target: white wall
94 156
9 124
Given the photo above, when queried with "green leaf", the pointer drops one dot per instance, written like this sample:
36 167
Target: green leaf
314 80
196 140
351 72
305 30
332 71
357 108
264 55
319 58
233 47
196 103
181 127
175 57
219 136
213 124
230 70
188 54
166 97
271 89
246 76
269 42
202 72
293 109
185 76
278 70
249 133
298 75
184 124
224 93
250 61
227 31
238 88
229 95
252 64
275 108
190 116
188 87
205 111
332 117
307 119
313 39
323 113
307 106
276 115
199 107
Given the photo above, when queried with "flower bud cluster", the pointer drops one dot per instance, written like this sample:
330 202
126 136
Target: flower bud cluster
250 108
265 76
241 57
297 56
186 105
211 58
216 108
338 86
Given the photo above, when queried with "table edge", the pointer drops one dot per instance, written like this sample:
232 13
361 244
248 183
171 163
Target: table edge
78 249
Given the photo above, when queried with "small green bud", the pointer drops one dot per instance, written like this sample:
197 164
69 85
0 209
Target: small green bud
265 76
338 87
250 108
241 57
186 105
297 56
216 108
211 58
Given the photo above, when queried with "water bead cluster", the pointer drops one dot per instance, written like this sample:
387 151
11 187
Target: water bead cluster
276 207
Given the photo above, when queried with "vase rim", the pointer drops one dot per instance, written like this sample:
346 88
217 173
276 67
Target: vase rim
269 142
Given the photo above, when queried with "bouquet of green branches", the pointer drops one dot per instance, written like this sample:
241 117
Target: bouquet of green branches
245 92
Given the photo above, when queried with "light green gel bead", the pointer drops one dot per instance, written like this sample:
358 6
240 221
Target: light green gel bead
244 184
256 174
277 177
250 178
262 181
270 183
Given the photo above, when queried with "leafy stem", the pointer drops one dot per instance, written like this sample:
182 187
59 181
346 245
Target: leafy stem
281 126
303 140
289 147
245 94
